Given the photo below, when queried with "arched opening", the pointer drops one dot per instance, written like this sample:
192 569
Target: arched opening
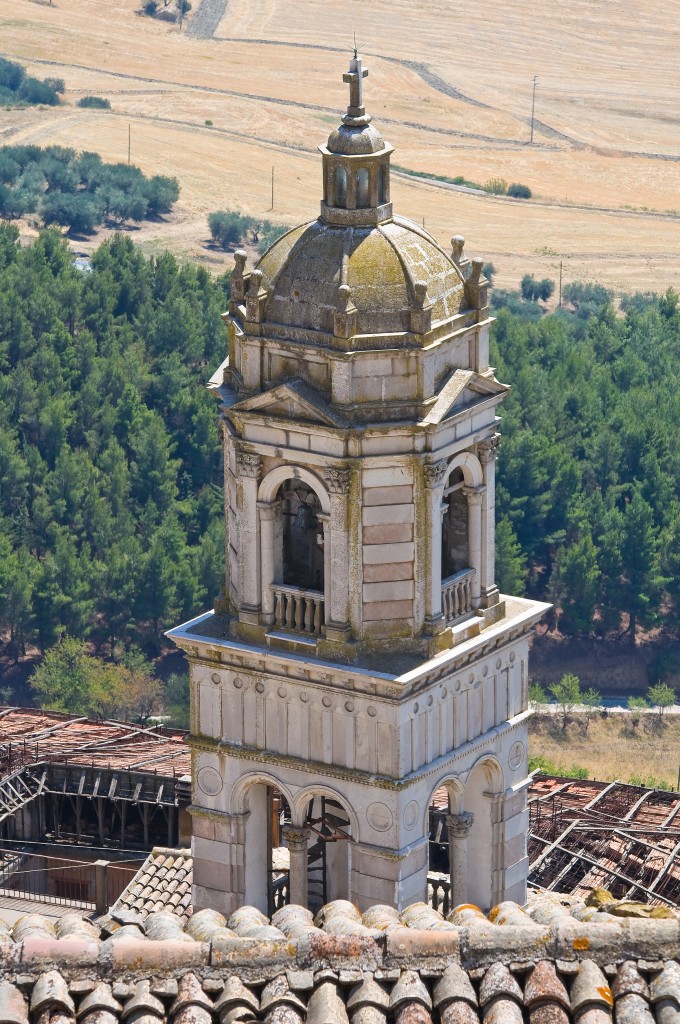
480 846
340 187
326 859
383 181
265 864
301 536
454 526
363 197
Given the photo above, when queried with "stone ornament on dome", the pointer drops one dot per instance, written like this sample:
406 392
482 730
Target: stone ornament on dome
356 112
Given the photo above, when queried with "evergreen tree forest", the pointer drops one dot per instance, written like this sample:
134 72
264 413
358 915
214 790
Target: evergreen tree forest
110 471
589 471
110 487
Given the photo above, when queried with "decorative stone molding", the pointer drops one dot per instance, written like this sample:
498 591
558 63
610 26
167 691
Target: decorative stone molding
248 463
459 825
487 450
474 494
296 837
435 472
269 511
337 480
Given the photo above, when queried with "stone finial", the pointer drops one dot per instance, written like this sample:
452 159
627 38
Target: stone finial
476 285
238 279
421 309
255 299
457 247
345 316
255 282
355 78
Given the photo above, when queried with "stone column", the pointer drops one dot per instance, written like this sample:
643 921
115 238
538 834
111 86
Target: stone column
248 469
297 838
487 451
434 474
336 556
458 827
269 514
475 496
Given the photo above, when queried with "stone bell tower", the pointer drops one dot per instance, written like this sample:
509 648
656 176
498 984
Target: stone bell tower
361 656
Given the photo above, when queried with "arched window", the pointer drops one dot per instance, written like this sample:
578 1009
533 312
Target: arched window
340 187
455 554
382 184
363 194
302 536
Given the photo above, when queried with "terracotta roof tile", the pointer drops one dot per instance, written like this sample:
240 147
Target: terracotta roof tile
13 1005
590 989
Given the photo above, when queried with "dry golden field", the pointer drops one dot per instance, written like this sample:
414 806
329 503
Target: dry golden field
450 86
612 748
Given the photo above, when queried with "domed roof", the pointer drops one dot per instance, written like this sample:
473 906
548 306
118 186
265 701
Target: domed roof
382 264
355 140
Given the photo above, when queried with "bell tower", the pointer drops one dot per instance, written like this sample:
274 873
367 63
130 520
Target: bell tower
360 656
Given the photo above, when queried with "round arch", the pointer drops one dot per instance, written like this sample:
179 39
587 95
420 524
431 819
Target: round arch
456 794
239 794
493 771
303 798
269 487
470 466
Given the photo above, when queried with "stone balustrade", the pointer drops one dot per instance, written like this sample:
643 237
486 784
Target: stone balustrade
301 611
457 594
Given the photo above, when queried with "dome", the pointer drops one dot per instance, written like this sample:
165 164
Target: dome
381 264
355 141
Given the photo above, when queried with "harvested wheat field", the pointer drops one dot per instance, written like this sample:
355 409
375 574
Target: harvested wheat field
451 89
612 748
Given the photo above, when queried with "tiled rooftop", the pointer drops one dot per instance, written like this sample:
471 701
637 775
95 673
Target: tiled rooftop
162 883
30 736
552 965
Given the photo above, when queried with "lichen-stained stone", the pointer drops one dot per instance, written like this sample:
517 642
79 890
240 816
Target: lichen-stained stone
204 923
143 1007
236 1002
192 1005
666 985
325 1005
13 1005
50 993
99 1006
628 980
455 998
278 1005
368 1002
591 997
500 996
633 1009
411 1002
546 996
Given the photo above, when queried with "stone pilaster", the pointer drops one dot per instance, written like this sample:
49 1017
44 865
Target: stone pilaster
433 475
297 838
248 470
487 452
475 497
458 827
336 535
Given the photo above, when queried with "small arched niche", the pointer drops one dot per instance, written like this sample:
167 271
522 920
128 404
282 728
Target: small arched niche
383 184
455 527
302 545
340 186
363 194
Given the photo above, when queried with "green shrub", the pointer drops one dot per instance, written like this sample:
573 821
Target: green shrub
517 191
533 290
11 74
548 767
33 91
94 101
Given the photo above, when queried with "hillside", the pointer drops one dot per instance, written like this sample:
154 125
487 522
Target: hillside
452 93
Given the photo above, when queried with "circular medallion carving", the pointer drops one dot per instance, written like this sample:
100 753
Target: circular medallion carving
485 670
209 781
326 701
445 693
371 711
238 682
471 678
410 817
456 685
416 708
281 691
516 755
379 816
216 677
512 657
259 687
349 705
430 700
304 697
498 662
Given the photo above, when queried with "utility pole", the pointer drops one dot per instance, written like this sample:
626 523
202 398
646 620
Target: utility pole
128 144
559 304
533 108
272 188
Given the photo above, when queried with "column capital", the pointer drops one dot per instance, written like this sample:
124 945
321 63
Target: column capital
297 837
248 463
487 450
459 825
474 495
435 472
337 480
269 510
